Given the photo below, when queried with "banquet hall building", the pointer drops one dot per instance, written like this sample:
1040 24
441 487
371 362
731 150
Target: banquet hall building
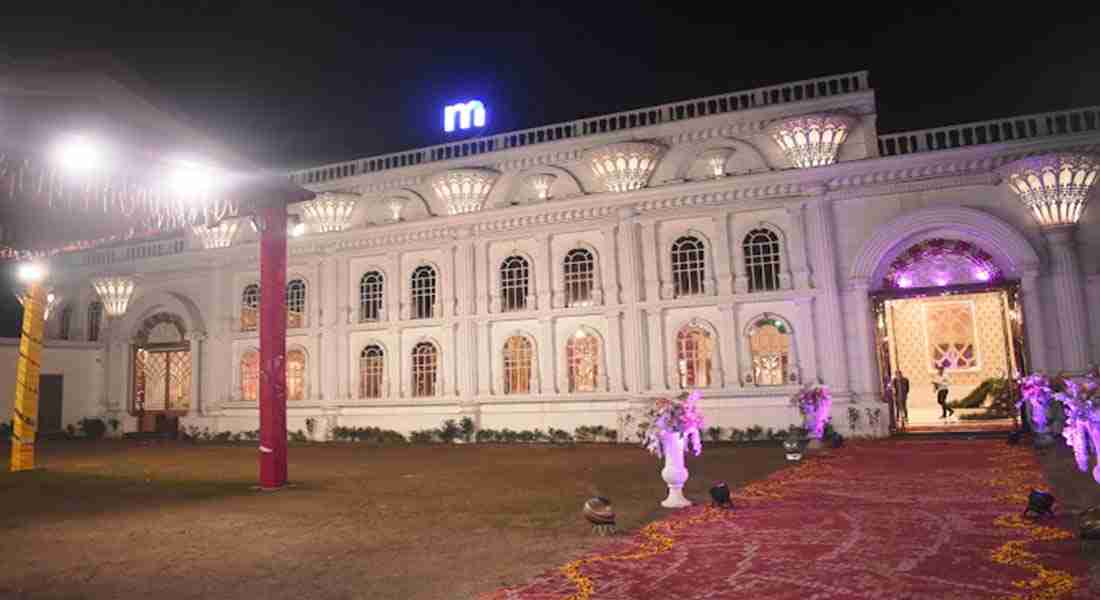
743 244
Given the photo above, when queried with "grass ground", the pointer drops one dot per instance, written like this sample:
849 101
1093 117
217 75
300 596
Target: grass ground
117 520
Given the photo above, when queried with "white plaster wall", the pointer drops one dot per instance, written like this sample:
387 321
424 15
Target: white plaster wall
78 363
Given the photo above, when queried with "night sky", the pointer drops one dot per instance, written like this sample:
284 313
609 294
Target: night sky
294 87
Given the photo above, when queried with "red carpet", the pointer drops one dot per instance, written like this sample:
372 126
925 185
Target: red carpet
921 519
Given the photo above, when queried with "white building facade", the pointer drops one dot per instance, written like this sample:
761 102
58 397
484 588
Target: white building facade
743 244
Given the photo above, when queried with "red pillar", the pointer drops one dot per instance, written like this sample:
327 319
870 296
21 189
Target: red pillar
272 346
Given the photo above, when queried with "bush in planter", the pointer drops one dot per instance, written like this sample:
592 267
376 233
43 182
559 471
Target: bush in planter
423 436
449 432
484 436
560 436
468 429
93 428
754 433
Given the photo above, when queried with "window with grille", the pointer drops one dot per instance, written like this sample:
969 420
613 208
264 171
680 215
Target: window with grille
514 278
66 323
372 363
370 296
518 353
770 348
423 293
694 355
250 376
425 365
296 303
295 375
761 247
95 316
580 272
582 352
688 266
250 307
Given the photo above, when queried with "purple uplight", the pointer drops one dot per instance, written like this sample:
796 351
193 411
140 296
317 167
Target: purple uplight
981 274
905 281
941 280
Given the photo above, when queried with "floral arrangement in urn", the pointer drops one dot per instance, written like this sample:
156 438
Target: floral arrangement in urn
1081 400
814 402
674 415
1036 390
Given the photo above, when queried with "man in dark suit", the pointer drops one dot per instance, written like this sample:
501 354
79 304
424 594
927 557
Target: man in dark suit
901 396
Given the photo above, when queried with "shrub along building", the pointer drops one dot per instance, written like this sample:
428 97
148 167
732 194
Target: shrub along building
744 244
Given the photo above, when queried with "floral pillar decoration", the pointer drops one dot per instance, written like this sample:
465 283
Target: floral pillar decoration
272 222
1081 400
812 140
1055 188
814 403
464 190
330 211
673 428
1036 391
625 166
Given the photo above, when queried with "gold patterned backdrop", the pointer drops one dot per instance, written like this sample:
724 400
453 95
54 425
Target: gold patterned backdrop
966 330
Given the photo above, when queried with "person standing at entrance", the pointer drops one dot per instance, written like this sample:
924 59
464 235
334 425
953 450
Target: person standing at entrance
901 396
941 384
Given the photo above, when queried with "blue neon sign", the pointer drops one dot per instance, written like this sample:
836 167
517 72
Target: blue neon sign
468 114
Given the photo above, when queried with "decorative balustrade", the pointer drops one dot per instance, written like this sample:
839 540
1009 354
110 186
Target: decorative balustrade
1065 122
797 91
131 253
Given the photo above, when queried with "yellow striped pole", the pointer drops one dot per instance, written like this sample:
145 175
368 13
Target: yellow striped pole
25 420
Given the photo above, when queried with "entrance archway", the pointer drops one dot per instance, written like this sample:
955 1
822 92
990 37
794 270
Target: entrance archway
947 286
161 356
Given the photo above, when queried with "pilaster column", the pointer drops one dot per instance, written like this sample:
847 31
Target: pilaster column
609 265
484 358
722 255
731 358
865 335
197 405
544 265
1069 297
658 375
796 247
466 285
1033 321
805 349
830 331
652 265
548 383
630 277
464 271
612 353
451 384
395 286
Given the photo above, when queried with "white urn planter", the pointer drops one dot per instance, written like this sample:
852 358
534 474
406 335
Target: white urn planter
675 473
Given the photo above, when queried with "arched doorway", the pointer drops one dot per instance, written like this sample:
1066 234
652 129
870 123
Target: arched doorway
162 374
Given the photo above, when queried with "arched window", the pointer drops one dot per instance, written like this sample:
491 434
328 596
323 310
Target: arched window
295 375
66 323
694 356
582 352
250 376
250 307
295 303
370 296
761 247
425 364
423 292
580 272
515 274
688 266
372 364
95 316
770 348
518 354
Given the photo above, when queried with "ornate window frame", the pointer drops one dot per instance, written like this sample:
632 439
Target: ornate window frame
513 296
602 375
437 389
535 386
596 293
716 371
240 378
242 300
307 387
383 314
741 278
95 320
706 276
305 283
384 381
436 304
794 367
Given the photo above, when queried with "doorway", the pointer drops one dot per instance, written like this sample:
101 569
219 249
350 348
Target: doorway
975 332
50 392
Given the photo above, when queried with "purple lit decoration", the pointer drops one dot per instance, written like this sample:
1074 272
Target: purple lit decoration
814 402
939 262
1036 391
1081 401
674 416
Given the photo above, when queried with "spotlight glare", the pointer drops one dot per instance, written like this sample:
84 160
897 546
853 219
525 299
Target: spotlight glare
77 154
31 273
298 229
190 178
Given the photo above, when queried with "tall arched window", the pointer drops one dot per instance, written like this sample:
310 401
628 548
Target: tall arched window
761 248
250 307
694 356
95 316
371 291
66 323
518 353
295 303
770 348
582 352
295 375
580 272
250 376
372 364
688 266
423 292
515 275
425 366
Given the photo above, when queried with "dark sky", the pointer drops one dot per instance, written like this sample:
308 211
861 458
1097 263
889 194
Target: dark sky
301 86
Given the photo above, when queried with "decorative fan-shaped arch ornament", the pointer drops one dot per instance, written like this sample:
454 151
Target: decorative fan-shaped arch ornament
158 329
940 262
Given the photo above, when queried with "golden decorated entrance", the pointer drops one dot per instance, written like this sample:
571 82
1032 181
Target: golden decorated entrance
161 374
